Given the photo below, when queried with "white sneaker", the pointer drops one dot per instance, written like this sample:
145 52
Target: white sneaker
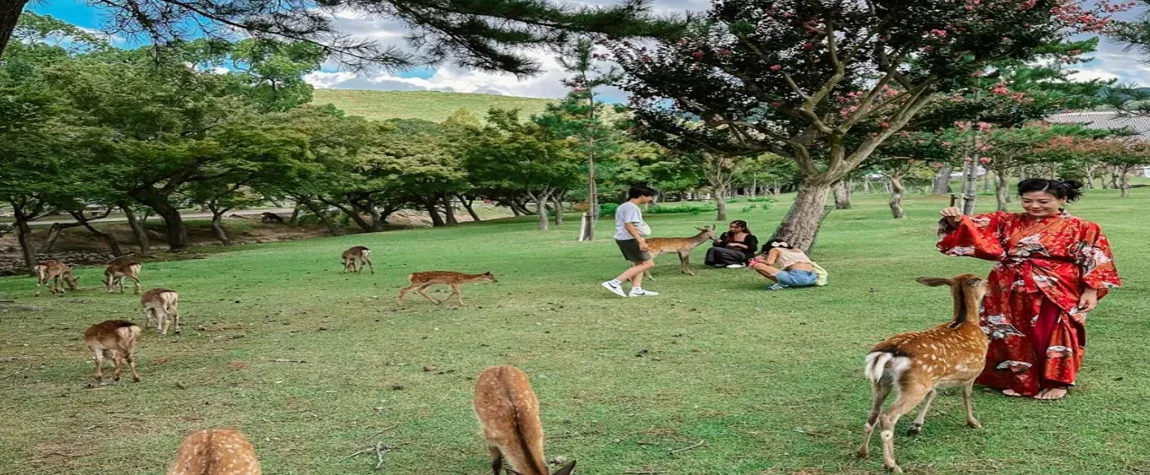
614 288
735 266
643 293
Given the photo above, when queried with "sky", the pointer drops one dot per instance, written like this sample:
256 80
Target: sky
1111 60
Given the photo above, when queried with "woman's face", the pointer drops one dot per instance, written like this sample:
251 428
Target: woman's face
735 228
1041 204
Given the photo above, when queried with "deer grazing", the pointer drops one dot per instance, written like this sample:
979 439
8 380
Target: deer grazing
163 307
357 255
115 274
48 272
116 340
508 413
215 452
422 280
269 217
680 246
918 363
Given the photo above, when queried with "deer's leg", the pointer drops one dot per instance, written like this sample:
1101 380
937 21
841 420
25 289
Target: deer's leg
968 399
455 292
344 267
423 291
99 359
132 366
402 292
176 318
370 266
879 392
118 360
908 398
135 280
685 262
916 427
496 460
38 284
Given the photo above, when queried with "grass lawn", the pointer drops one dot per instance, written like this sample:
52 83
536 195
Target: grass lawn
772 381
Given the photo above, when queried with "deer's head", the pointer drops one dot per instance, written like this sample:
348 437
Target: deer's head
709 231
488 276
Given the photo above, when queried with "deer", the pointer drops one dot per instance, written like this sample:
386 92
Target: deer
269 217
215 452
115 273
357 255
163 307
680 246
918 363
116 340
508 413
422 280
54 271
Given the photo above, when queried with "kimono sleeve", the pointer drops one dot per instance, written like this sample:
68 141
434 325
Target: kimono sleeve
1094 259
977 236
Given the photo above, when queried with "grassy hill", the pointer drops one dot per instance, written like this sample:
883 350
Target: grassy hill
428 105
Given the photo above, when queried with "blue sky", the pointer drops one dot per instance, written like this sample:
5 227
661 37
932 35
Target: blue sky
1111 60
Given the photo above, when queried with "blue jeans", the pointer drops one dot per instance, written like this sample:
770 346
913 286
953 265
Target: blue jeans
797 278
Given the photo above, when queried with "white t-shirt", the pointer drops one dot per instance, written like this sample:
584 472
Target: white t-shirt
628 213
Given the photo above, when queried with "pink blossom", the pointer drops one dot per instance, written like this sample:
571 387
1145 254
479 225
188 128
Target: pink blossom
938 33
697 54
776 104
808 45
776 67
962 126
682 42
885 125
983 126
1000 89
984 160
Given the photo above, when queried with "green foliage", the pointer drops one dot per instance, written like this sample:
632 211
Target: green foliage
608 209
681 209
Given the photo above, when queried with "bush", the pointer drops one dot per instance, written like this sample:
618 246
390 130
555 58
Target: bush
690 209
608 209
764 199
749 208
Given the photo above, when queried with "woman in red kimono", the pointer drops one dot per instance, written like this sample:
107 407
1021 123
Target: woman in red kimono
1052 268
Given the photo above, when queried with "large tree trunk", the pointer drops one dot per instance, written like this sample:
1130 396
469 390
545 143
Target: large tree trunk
468 204
138 231
896 190
1089 177
558 201
448 210
24 236
9 16
1002 188
592 197
433 211
54 235
294 220
108 238
969 188
218 227
842 195
541 209
1124 182
323 217
175 232
801 224
719 194
942 180
351 213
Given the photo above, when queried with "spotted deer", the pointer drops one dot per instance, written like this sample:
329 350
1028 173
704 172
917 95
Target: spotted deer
508 413
161 306
422 280
48 272
680 246
215 452
116 340
918 363
357 255
115 274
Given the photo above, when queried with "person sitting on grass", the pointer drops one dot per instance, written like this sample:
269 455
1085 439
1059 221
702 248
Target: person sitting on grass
630 234
734 248
798 270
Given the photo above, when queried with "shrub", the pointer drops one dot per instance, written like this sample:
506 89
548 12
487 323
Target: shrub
608 209
689 209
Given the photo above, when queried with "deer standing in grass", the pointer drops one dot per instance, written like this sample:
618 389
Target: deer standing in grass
508 413
163 307
215 452
422 280
680 246
115 274
357 255
116 340
917 363
48 272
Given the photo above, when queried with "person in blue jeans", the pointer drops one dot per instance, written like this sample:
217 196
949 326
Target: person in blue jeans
794 269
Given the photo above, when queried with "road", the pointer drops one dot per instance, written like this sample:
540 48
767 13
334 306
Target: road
283 212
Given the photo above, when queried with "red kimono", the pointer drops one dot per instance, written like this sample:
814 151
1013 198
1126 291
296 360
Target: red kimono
1037 335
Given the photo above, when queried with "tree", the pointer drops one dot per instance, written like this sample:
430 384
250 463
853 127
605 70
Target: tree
525 159
825 82
908 155
481 35
1121 153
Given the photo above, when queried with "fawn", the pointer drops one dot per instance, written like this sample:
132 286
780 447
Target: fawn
680 246
54 271
357 255
508 413
114 276
422 280
215 452
163 307
917 363
114 339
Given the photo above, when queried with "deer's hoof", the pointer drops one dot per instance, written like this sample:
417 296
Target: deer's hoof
974 425
915 429
862 453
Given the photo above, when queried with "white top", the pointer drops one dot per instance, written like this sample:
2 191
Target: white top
627 213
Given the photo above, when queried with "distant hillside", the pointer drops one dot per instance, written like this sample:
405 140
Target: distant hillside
428 105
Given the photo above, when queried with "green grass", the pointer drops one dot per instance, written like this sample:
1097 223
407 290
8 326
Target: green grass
772 381
428 105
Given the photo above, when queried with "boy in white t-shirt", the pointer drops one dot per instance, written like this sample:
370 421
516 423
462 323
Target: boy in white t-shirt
630 231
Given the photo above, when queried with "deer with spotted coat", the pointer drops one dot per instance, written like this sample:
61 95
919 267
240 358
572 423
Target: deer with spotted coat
116 340
215 452
681 246
354 259
161 306
115 274
48 272
918 363
508 413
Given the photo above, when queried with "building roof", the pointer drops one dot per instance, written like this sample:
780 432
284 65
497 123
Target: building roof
1138 123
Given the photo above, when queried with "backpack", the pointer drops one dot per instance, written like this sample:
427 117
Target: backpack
821 280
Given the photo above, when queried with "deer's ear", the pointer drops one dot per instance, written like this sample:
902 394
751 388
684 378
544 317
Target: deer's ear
972 282
567 469
933 281
487 273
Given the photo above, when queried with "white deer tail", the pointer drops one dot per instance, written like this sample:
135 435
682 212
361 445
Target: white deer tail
875 364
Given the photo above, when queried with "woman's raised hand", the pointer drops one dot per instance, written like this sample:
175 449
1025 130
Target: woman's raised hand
952 214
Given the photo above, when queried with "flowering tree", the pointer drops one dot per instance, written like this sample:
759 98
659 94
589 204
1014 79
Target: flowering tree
826 82
1120 153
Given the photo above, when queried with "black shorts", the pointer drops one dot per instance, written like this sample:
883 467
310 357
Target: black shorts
631 252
